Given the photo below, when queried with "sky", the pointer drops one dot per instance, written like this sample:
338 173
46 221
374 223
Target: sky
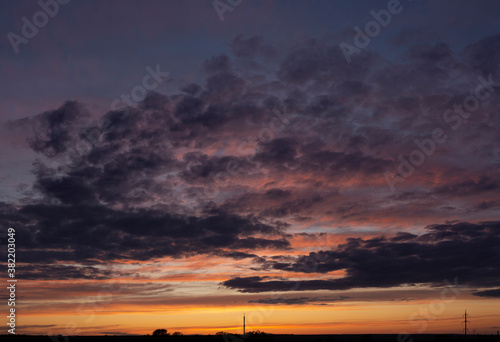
321 166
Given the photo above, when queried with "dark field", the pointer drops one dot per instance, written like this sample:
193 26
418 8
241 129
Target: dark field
266 337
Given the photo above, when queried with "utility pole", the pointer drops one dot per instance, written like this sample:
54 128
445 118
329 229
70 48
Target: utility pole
465 323
243 324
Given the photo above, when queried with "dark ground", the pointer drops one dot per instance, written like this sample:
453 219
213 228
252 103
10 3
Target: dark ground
251 338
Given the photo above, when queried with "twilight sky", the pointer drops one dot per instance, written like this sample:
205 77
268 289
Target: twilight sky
322 166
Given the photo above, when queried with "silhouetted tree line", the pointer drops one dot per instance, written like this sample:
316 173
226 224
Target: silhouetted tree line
251 336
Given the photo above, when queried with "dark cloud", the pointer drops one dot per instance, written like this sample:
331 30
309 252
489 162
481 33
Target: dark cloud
61 272
340 164
238 255
52 130
193 172
192 89
217 64
154 101
484 55
278 151
189 109
279 203
461 250
488 293
202 168
434 54
299 300
322 64
225 84
94 234
468 187
277 194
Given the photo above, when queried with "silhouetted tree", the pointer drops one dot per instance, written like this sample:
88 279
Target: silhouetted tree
258 335
160 332
177 333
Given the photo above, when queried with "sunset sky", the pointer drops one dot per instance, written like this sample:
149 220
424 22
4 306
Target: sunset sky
321 166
